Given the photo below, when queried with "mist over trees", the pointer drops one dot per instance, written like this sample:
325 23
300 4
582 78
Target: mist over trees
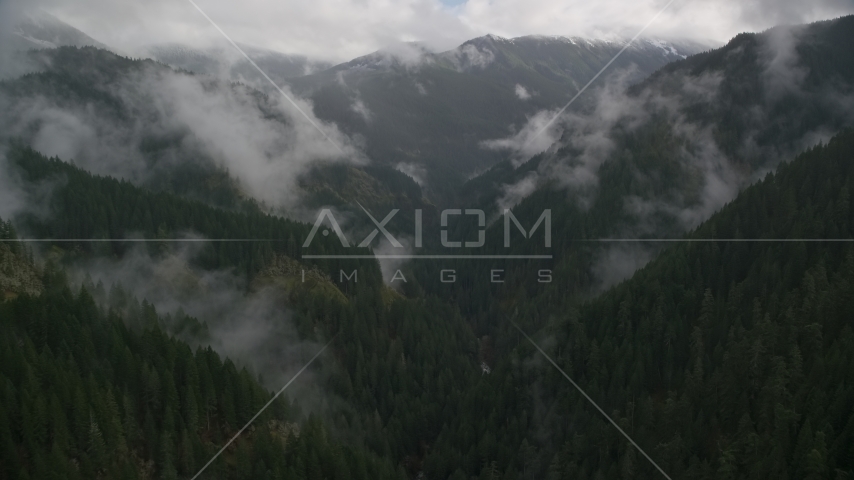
155 291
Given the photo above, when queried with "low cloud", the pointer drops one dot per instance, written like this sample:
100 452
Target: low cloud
359 107
255 329
522 92
417 172
582 139
339 30
13 198
470 57
12 62
390 266
514 193
783 73
617 263
598 131
19 197
263 141
408 53
540 132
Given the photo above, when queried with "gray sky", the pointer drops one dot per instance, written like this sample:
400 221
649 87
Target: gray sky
339 30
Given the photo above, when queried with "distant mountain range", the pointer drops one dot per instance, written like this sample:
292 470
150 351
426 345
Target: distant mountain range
757 100
39 29
424 113
430 112
726 356
228 63
656 160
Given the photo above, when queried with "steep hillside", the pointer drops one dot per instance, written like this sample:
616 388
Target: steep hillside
749 104
430 111
398 366
206 139
95 395
18 274
657 160
39 29
722 358
229 64
701 300
82 206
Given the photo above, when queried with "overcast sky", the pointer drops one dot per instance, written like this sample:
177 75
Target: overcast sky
338 30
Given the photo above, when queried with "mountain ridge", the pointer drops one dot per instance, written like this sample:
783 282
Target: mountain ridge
433 110
39 29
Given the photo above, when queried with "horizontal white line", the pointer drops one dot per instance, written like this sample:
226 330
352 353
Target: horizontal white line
600 240
697 240
430 257
94 240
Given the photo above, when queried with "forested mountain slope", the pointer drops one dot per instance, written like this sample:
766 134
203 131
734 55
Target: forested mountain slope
429 112
83 206
17 267
97 390
206 139
722 359
745 106
399 364
656 160
227 63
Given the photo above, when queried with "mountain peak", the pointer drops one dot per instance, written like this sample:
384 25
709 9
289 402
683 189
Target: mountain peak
496 38
488 39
